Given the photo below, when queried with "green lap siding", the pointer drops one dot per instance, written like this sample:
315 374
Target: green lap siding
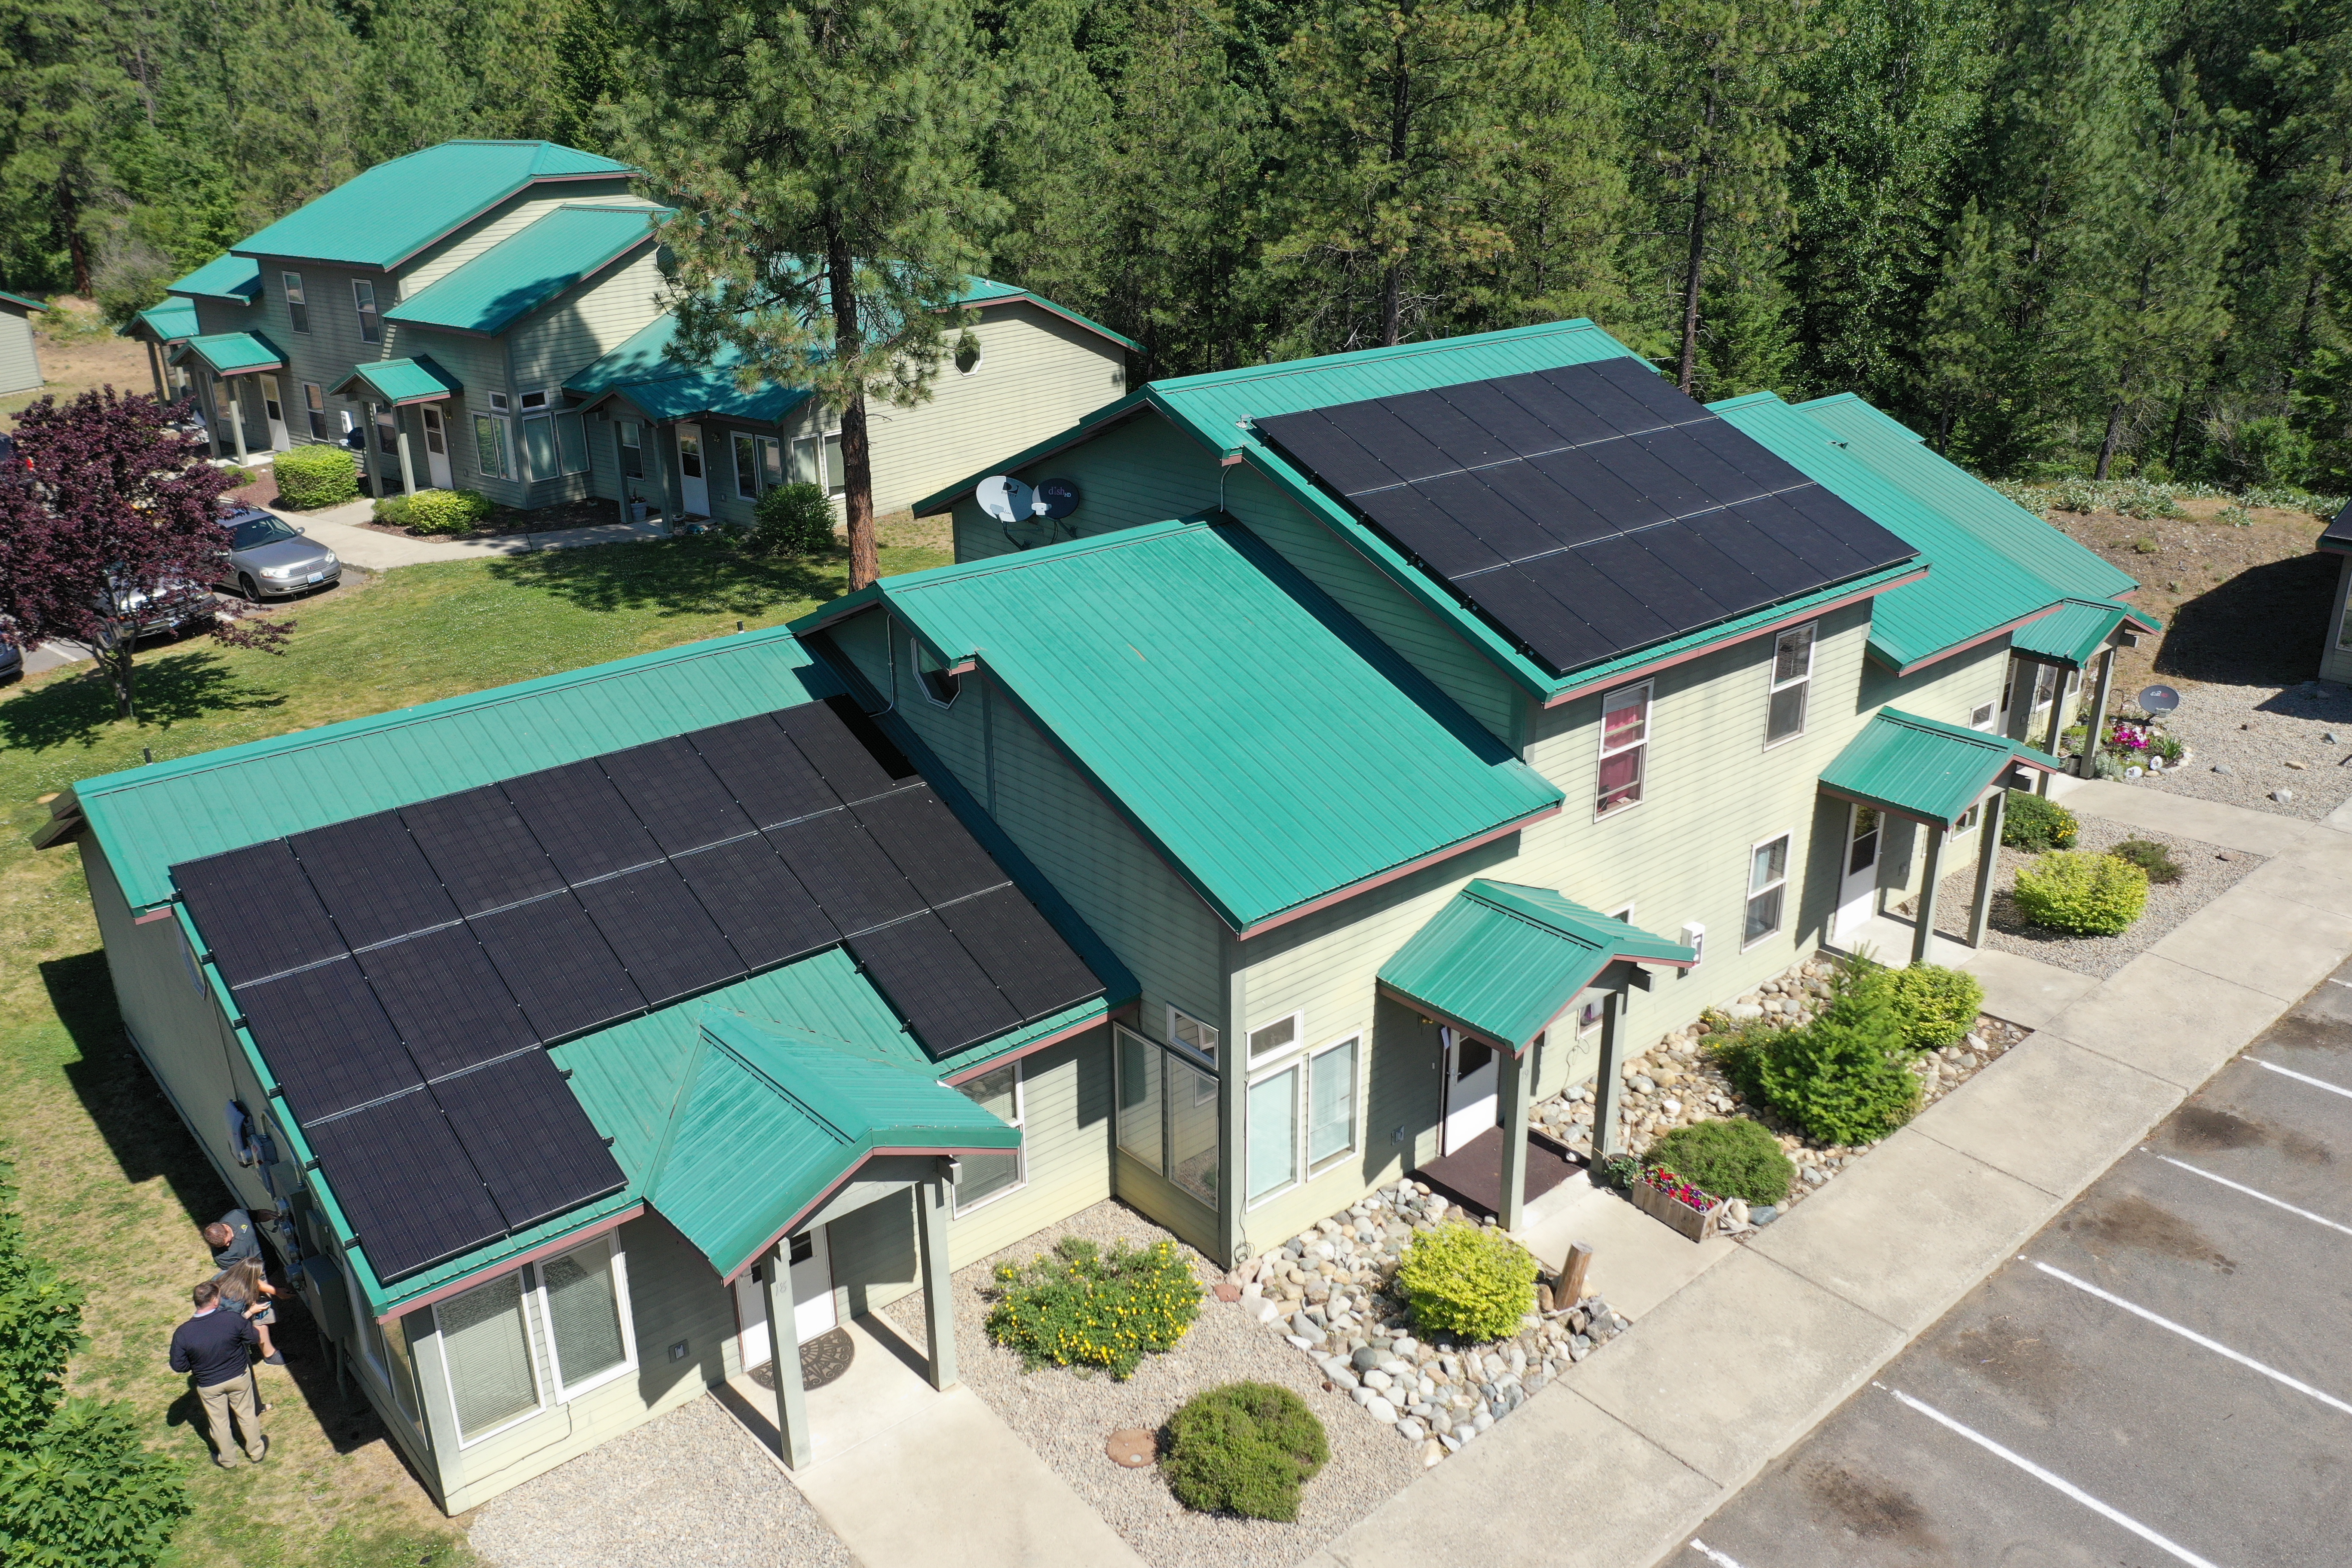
20 361
2336 636
1145 471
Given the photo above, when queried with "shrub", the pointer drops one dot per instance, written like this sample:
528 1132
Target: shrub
393 509
2150 857
1934 1006
1732 1159
2031 822
1079 1306
791 519
2169 747
315 475
2090 895
1467 1282
1840 1078
1244 1448
448 511
89 1492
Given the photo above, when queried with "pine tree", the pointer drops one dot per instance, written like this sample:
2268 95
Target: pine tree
61 93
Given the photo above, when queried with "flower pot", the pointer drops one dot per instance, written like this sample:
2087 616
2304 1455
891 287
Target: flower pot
1672 1212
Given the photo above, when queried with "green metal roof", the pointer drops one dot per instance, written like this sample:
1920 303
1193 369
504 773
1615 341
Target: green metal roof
2077 629
1924 768
1273 750
663 386
768 1119
1993 565
25 299
529 267
981 291
236 278
1505 962
231 353
385 216
166 323
401 380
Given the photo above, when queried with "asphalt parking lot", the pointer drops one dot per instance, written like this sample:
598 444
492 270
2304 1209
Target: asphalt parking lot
2160 1377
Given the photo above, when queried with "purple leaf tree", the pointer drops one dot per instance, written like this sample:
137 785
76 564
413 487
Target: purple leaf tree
111 521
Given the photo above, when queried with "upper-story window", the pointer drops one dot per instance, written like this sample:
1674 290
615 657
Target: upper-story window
364 301
1625 744
1793 677
298 309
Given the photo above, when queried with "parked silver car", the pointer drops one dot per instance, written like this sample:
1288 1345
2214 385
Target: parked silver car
269 558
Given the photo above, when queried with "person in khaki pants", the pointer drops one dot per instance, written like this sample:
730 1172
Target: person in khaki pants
215 1346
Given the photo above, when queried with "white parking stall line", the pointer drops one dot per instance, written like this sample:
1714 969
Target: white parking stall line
2303 1078
2252 1193
1711 1554
2216 1346
2054 1480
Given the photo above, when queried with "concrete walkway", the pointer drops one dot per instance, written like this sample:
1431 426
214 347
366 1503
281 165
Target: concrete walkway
1661 1426
338 527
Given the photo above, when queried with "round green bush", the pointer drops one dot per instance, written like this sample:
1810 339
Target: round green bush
2089 895
1244 1448
1732 1159
792 521
448 511
2031 822
1467 1282
393 509
1842 1076
2150 857
1934 1006
315 475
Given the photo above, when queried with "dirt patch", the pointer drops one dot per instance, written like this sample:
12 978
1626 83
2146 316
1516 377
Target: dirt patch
71 368
2032 1370
1871 1507
2133 1221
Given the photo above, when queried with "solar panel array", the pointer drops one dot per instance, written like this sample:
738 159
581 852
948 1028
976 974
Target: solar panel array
1585 511
403 972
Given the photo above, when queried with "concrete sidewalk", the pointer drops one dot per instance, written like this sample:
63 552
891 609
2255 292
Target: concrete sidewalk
338 529
1661 1426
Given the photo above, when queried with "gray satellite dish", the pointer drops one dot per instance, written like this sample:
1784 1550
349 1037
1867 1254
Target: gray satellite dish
1057 498
2158 700
1005 499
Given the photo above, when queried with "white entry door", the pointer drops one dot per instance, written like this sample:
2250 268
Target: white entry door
1858 884
813 1311
1473 1099
274 408
436 446
693 488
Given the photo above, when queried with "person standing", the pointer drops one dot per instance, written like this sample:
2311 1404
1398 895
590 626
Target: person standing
214 1346
244 1289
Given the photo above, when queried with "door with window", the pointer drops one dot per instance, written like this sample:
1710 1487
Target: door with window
1473 1090
437 445
273 408
693 488
1858 881
812 1312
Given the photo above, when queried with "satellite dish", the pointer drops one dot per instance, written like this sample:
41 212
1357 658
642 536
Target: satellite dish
1056 499
2158 700
1004 498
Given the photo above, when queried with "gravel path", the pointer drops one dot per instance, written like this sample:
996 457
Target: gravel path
1066 1418
690 1489
2206 872
2255 731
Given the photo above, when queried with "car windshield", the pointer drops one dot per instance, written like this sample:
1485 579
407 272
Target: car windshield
255 532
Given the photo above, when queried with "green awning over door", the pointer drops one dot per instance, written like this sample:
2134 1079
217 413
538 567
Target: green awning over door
1924 769
2075 632
400 381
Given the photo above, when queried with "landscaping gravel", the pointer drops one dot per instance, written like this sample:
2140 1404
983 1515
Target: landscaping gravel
690 1487
1067 1417
2207 871
2257 733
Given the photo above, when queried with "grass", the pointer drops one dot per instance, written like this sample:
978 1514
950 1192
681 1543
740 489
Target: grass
112 1185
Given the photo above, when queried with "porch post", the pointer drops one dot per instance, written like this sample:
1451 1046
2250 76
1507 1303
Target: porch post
236 416
2057 725
366 432
1518 1074
1232 1102
155 368
673 483
1988 853
2085 764
407 464
793 1444
1933 864
1608 1088
931 1212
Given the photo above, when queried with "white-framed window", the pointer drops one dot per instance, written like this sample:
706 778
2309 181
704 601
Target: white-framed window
1331 1096
314 408
385 1351
939 683
1793 677
363 304
1270 1145
968 356
816 461
486 1357
1980 716
1625 744
387 432
1168 1111
583 1301
630 435
1587 1010
533 403
1193 1035
1270 1040
1768 881
759 464
1968 819
297 307
492 1343
982 1177
493 448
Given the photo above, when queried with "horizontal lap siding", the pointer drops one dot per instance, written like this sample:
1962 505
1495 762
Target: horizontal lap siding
585 322
2334 658
20 363
517 211
1144 470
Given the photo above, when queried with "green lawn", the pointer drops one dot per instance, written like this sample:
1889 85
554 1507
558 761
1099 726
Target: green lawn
112 1187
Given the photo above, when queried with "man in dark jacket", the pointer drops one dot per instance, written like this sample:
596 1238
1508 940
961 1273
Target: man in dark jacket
215 1346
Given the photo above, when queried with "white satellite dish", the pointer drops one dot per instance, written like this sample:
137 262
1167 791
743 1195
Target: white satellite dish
1004 498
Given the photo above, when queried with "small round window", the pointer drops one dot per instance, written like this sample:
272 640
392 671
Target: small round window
967 356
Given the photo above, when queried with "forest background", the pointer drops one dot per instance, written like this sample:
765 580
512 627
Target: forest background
2108 237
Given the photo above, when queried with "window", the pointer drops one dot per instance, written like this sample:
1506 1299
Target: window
534 402
364 301
583 1299
387 432
486 1354
940 684
490 454
633 451
572 439
314 405
759 464
1792 674
1272 1151
1272 1039
816 461
1624 737
298 309
1142 1099
1768 878
1981 717
980 1177
1187 1030
538 449
1967 821
400 1369
837 477
1168 1113
1331 1101
967 356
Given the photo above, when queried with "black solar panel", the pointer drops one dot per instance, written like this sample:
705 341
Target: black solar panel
373 879
936 987
670 945
676 796
765 773
845 745
558 965
405 1185
326 1039
481 851
580 820
845 871
1022 954
447 1000
537 1151
1587 512
766 913
926 841
255 911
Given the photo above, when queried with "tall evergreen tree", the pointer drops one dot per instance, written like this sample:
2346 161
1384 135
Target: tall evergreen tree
61 92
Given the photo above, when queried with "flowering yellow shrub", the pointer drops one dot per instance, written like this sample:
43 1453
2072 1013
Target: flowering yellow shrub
1079 1306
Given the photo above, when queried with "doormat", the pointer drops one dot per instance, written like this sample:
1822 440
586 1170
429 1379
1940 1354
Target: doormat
822 1360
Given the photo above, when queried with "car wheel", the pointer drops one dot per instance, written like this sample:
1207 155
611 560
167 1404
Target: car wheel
248 587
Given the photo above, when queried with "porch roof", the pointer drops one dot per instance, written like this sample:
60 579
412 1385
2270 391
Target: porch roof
2075 632
165 323
661 384
1503 960
768 1119
26 300
231 353
400 381
235 278
2337 535
1924 769
484 296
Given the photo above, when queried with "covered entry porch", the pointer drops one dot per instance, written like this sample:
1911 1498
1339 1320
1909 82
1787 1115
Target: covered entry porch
225 364
386 391
2049 661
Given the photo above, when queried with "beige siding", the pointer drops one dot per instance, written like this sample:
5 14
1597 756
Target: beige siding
20 361
517 211
586 322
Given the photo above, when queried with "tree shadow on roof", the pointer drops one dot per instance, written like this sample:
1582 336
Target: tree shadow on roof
702 574
176 689
2261 628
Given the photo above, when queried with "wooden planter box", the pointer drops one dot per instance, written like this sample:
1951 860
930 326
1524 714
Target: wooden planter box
1672 1212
